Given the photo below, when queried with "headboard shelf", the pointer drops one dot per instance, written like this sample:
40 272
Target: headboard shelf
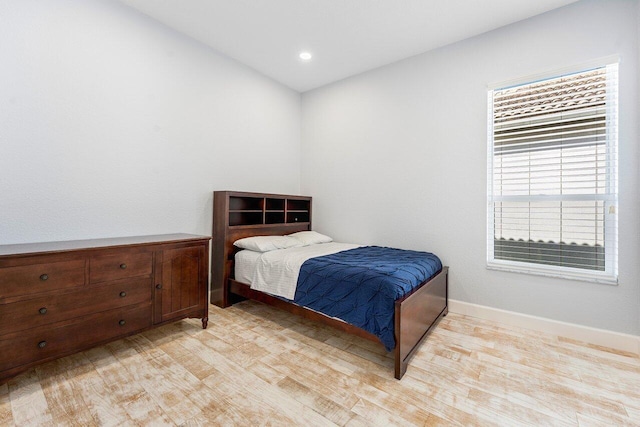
246 203
275 204
240 214
253 209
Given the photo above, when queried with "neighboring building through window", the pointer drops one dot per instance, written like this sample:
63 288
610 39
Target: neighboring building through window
552 176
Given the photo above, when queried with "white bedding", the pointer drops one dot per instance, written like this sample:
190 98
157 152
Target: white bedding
276 272
245 265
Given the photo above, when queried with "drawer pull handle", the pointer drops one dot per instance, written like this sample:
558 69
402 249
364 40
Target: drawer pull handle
123 294
121 322
44 277
159 286
43 310
123 266
42 344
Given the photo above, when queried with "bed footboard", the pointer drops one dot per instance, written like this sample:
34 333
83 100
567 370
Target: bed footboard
416 314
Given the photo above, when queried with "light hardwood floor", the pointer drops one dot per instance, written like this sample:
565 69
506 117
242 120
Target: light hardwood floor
256 365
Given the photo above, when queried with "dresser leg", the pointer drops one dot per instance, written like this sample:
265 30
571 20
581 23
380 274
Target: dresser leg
205 321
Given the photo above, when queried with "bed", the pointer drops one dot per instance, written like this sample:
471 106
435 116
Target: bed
238 215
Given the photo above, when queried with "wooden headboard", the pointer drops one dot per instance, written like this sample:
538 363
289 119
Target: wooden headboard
240 214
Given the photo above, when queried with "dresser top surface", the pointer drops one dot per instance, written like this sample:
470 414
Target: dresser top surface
70 245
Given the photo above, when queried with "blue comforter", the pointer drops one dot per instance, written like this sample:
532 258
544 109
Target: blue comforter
361 285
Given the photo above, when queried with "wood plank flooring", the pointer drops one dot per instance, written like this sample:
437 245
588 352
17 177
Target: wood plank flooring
256 365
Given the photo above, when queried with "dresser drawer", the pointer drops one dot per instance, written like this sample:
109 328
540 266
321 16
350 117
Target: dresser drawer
120 265
41 277
38 344
42 311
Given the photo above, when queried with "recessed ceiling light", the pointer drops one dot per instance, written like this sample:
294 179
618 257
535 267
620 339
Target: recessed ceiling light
305 56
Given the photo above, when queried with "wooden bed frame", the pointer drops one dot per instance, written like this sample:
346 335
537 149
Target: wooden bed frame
241 214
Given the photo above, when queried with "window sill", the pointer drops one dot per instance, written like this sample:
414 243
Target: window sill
550 271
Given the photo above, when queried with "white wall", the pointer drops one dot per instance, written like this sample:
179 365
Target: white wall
397 156
114 125
638 123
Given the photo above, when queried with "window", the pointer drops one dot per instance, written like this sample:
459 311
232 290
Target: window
552 176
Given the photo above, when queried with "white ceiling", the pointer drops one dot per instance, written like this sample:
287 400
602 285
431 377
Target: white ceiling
346 37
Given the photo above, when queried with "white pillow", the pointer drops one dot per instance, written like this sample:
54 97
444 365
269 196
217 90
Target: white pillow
267 243
311 237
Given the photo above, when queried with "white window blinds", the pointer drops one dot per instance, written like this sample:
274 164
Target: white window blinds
552 184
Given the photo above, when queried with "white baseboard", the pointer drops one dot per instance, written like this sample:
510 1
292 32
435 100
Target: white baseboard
601 337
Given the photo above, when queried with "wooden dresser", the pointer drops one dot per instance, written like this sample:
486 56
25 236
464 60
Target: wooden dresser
58 298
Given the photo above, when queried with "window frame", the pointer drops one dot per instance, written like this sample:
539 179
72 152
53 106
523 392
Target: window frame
610 274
